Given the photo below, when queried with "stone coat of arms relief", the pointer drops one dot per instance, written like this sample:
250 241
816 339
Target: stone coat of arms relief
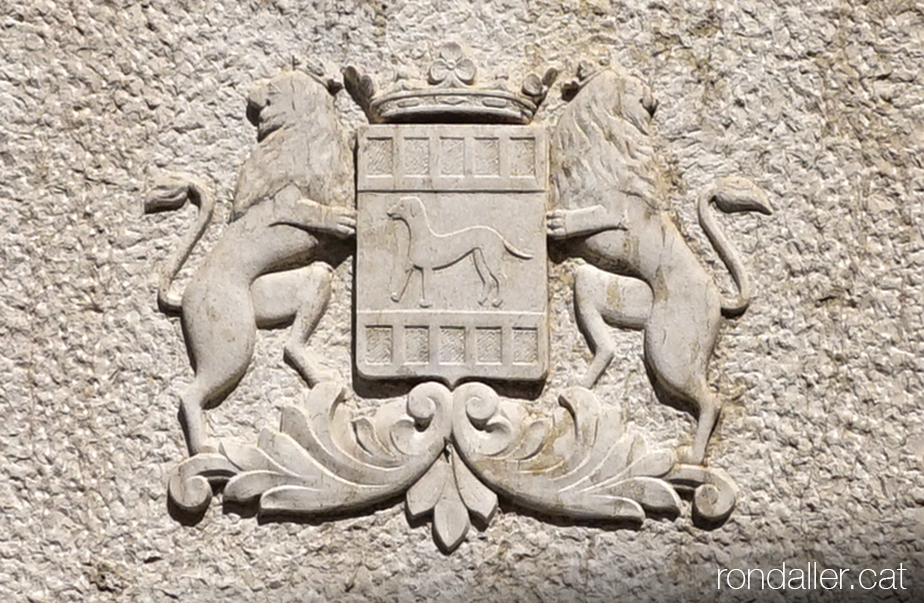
458 193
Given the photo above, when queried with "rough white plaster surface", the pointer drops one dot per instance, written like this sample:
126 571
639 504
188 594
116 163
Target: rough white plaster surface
820 102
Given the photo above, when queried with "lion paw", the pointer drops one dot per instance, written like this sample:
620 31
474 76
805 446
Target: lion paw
209 446
686 456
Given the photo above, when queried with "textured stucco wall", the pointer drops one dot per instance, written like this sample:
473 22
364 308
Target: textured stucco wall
820 101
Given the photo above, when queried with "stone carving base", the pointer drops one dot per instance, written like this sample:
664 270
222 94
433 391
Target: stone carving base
451 453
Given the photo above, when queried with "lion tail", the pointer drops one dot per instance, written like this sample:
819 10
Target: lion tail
731 194
169 194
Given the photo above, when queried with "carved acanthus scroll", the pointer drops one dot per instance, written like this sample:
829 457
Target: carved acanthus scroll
452 454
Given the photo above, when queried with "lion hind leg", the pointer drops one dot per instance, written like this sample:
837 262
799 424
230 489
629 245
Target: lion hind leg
694 396
216 376
300 297
709 408
602 300
679 341
219 330
192 418
277 297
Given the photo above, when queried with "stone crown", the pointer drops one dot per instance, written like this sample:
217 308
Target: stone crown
449 95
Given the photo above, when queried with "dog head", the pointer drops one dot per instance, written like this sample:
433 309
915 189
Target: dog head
404 208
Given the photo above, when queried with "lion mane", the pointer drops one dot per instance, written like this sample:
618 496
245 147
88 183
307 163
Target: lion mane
642 272
300 137
300 143
602 144
272 265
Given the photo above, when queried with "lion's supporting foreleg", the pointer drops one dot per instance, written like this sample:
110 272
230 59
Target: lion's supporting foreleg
564 223
291 207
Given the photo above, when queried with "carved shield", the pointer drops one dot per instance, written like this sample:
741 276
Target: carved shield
451 270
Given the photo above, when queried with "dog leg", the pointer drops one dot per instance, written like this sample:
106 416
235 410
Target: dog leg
425 274
492 257
500 279
406 279
484 273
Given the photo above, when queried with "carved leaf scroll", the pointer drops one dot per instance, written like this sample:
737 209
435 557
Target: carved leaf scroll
322 461
452 453
189 486
452 493
714 491
582 464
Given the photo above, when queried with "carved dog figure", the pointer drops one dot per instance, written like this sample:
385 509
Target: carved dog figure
428 251
643 274
271 265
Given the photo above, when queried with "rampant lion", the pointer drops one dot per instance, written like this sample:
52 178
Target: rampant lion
272 264
643 274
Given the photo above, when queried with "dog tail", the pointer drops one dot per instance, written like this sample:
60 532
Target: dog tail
516 252
731 194
169 194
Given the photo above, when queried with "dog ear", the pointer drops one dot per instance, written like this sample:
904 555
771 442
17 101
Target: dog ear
413 206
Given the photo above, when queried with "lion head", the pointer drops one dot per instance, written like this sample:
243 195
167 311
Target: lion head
300 142
601 145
